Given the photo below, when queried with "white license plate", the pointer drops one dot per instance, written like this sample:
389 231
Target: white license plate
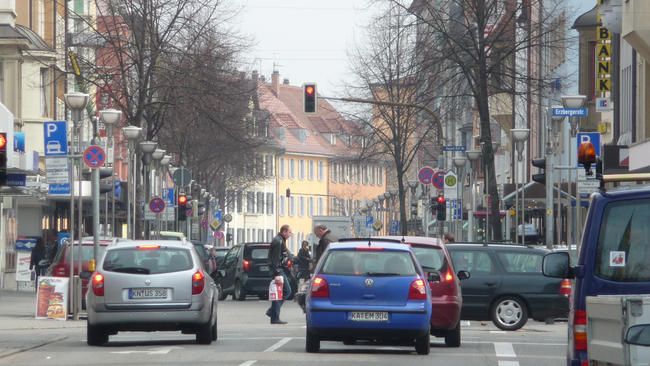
367 316
264 268
147 293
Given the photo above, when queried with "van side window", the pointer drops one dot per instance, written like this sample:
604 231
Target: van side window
623 252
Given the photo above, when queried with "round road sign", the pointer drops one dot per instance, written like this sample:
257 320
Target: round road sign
425 174
157 205
94 156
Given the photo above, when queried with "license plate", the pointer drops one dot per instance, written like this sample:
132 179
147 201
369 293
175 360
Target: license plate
147 293
365 316
264 268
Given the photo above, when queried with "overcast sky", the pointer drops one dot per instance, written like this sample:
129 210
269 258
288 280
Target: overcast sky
308 40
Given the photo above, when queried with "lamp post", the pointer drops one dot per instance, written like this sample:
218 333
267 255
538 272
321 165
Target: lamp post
575 101
76 102
147 148
459 162
131 133
520 136
472 156
110 117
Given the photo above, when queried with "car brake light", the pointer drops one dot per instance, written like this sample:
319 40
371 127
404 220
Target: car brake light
198 282
98 284
580 330
246 265
417 291
148 247
565 287
320 288
368 249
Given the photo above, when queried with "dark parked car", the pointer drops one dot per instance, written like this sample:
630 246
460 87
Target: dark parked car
507 285
245 271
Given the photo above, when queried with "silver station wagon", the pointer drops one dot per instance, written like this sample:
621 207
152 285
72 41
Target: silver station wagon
151 286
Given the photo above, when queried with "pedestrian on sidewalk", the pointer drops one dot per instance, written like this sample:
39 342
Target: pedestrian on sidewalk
326 237
278 246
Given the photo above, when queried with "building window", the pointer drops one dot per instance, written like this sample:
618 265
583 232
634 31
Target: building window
301 206
321 171
260 202
311 206
240 203
45 92
281 208
301 169
292 206
292 166
250 202
320 206
269 203
281 167
311 170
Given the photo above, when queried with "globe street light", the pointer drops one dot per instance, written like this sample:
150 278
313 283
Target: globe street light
519 136
131 133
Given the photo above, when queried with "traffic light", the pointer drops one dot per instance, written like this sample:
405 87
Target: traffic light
3 158
182 207
288 193
309 97
441 208
540 164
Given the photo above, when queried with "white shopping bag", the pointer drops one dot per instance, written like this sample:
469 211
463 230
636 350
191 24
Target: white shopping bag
275 288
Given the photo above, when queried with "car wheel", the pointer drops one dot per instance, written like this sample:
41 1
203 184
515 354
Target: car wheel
312 342
240 293
509 313
204 333
423 344
95 335
452 338
214 329
222 295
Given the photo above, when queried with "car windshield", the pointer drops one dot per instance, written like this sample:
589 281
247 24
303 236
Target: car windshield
369 263
428 256
148 261
623 252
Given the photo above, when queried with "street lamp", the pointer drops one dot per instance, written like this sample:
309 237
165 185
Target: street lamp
131 133
575 101
110 117
472 156
76 102
519 136
147 148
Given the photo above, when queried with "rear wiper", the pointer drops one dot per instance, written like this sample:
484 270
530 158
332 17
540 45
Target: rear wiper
379 274
132 270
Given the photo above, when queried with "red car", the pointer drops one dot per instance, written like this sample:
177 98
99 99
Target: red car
446 298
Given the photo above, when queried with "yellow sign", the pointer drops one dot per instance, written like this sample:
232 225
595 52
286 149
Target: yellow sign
604 84
604 51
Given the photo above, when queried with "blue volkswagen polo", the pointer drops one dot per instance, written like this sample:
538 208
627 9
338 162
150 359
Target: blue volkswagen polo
368 290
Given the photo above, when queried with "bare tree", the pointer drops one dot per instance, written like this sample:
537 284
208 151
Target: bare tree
388 70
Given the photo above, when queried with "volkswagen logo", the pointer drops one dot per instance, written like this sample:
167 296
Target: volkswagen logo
369 282
147 282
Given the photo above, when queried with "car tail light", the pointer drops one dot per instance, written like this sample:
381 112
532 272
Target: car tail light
580 330
198 282
246 266
98 284
417 290
565 287
320 288
60 270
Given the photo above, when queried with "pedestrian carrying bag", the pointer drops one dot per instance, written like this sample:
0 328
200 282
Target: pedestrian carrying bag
275 288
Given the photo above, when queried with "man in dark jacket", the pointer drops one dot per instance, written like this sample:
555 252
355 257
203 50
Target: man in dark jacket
278 246
326 237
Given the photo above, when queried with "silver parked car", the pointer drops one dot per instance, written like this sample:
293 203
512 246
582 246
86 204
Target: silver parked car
151 286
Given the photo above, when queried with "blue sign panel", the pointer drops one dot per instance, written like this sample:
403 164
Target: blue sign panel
593 137
569 112
56 138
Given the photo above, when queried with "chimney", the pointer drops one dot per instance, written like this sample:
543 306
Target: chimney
254 76
275 82
285 81
8 12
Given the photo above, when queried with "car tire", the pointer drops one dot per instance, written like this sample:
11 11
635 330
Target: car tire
222 295
423 344
240 292
312 342
509 313
452 338
96 335
204 333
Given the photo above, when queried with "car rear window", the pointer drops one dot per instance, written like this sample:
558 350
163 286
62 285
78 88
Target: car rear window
432 257
369 263
521 262
256 252
623 253
148 261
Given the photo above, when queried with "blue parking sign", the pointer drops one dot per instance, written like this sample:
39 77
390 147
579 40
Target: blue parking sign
55 138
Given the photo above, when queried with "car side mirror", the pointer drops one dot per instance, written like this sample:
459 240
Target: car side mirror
638 335
433 276
557 265
463 275
84 275
221 273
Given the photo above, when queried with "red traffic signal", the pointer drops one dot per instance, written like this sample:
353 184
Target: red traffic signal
182 200
309 97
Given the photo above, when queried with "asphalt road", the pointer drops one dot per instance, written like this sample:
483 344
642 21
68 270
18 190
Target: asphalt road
246 338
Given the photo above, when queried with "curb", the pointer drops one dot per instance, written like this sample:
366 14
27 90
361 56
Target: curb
21 350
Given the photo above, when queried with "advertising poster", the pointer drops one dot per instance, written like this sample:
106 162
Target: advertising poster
52 298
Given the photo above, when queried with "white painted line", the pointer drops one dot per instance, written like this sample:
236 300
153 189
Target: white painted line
504 350
508 363
279 344
248 363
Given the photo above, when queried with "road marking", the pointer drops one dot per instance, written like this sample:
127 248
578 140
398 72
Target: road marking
504 350
248 363
279 344
508 363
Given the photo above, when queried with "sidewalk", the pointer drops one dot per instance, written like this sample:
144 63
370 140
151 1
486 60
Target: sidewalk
19 331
